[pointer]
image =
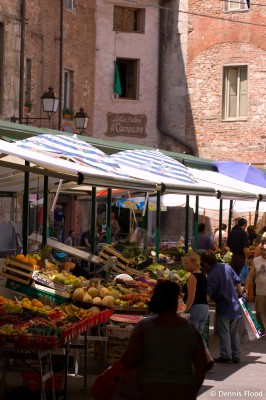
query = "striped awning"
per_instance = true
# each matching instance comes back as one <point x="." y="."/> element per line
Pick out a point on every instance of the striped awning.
<point x="154" y="166"/>
<point x="71" y="149"/>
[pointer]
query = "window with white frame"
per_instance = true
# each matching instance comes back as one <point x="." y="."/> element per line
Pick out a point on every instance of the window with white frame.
<point x="69" y="4"/>
<point x="68" y="84"/>
<point x="128" y="75"/>
<point x="235" y="92"/>
<point x="236" y="5"/>
<point x="129" y="19"/>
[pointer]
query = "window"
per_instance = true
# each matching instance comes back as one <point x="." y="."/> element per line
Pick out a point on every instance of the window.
<point x="1" y="65"/>
<point x="69" y="4"/>
<point x="234" y="5"/>
<point x="128" y="74"/>
<point x="68" y="84"/>
<point x="235" y="93"/>
<point x="129" y="19"/>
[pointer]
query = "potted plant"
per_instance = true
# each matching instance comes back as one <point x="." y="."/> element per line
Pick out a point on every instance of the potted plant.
<point x="67" y="113"/>
<point x="27" y="106"/>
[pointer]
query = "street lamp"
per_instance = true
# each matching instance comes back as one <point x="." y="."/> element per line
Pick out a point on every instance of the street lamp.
<point x="49" y="103"/>
<point x="81" y="120"/>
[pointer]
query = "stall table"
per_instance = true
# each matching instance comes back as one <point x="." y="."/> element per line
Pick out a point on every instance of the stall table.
<point x="40" y="348"/>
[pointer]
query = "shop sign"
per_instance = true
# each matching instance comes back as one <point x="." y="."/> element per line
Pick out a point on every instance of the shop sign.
<point x="126" y="125"/>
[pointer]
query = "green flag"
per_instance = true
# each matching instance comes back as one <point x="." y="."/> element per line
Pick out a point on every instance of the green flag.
<point x="117" y="83"/>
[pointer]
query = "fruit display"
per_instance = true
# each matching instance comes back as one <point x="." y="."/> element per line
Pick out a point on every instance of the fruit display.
<point x="133" y="293"/>
<point x="132" y="252"/>
<point x="30" y="317"/>
<point x="163" y="272"/>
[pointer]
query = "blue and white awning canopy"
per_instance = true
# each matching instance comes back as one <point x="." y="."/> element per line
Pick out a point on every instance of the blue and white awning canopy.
<point x="154" y="166"/>
<point x="74" y="167"/>
<point x="72" y="149"/>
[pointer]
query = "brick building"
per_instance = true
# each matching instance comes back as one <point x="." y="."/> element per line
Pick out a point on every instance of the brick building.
<point x="68" y="65"/>
<point x="226" y="75"/>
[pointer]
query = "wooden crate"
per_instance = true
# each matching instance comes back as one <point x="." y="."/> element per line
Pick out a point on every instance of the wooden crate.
<point x="123" y="264"/>
<point x="17" y="270"/>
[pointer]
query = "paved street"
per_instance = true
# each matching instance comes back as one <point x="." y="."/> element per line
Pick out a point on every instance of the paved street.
<point x="233" y="381"/>
<point x="245" y="380"/>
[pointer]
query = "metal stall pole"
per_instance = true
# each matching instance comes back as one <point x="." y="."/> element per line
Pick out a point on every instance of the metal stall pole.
<point x="45" y="210"/>
<point x="93" y="221"/>
<point x="187" y="223"/>
<point x="230" y="216"/>
<point x="157" y="229"/>
<point x="108" y="217"/>
<point x="196" y="223"/>
<point x="220" y="222"/>
<point x="257" y="212"/>
<point x="25" y="216"/>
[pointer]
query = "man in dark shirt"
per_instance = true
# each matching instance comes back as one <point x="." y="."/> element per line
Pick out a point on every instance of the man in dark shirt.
<point x="85" y="239"/>
<point x="239" y="244"/>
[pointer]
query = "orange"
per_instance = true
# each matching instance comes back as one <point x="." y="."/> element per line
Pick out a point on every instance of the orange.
<point x="20" y="256"/>
<point x="31" y="260"/>
<point x="36" y="303"/>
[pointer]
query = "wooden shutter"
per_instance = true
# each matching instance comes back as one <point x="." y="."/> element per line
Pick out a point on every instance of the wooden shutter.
<point x="243" y="92"/>
<point x="232" y="92"/>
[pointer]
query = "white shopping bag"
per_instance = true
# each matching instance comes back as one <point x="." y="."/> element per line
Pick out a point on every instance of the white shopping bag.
<point x="248" y="327"/>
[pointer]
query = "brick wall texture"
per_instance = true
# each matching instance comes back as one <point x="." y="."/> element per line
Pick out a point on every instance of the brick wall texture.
<point x="227" y="38"/>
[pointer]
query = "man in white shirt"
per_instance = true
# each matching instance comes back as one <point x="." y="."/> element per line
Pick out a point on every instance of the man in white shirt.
<point x="258" y="268"/>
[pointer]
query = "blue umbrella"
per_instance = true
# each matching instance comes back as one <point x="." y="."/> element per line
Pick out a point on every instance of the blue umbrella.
<point x="154" y="166"/>
<point x="241" y="171"/>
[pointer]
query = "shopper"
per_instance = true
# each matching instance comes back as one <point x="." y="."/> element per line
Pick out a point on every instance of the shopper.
<point x="205" y="242"/>
<point x="239" y="244"/>
<point x="195" y="297"/>
<point x="258" y="269"/>
<point x="224" y="287"/>
<point x="166" y="349"/>
<point x="115" y="228"/>
<point x="85" y="239"/>
<point x="216" y="236"/>
<point x="252" y="235"/>
<point x="70" y="239"/>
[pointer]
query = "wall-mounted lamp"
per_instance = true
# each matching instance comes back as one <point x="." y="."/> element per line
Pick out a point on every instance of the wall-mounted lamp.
<point x="49" y="103"/>
<point x="81" y="120"/>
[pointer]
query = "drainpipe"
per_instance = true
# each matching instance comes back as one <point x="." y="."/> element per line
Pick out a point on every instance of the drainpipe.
<point x="61" y="64"/>
<point x="22" y="55"/>
<point x="161" y="128"/>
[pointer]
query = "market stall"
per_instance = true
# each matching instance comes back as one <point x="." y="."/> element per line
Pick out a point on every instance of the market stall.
<point x="31" y="331"/>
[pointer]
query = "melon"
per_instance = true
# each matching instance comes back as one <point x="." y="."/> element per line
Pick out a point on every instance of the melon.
<point x="97" y="301"/>
<point x="103" y="292"/>
<point x="108" y="301"/>
<point x="87" y="298"/>
<point x="78" y="294"/>
<point x="93" y="292"/>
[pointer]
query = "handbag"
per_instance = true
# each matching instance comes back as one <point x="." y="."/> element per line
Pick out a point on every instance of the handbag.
<point x="105" y="384"/>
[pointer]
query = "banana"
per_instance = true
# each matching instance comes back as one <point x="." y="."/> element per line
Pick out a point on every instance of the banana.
<point x="73" y="307"/>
